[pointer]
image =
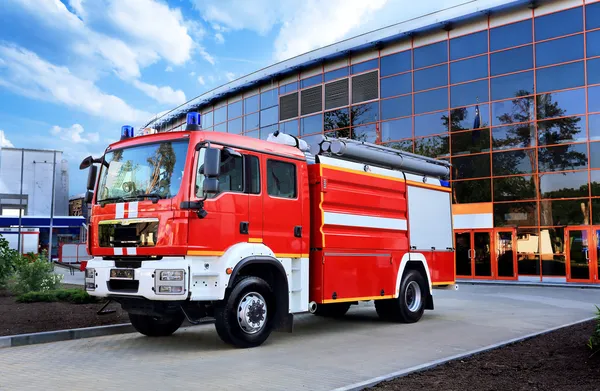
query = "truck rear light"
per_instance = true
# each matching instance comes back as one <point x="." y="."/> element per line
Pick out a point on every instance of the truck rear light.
<point x="90" y="279"/>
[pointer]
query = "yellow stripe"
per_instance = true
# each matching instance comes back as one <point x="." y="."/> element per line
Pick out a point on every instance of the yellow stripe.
<point x="428" y="186"/>
<point x="442" y="283"/>
<point x="206" y="253"/>
<point x="381" y="176"/>
<point x="255" y="240"/>
<point x="291" y="255"/>
<point x="365" y="298"/>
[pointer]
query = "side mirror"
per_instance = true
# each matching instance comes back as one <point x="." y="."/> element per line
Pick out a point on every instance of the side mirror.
<point x="212" y="163"/>
<point x="210" y="186"/>
<point x="85" y="163"/>
<point x="91" y="182"/>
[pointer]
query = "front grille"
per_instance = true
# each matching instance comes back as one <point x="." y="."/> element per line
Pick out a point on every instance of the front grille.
<point x="128" y="233"/>
<point x="125" y="286"/>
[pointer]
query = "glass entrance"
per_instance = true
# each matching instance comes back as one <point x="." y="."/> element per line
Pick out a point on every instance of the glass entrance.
<point x="463" y="254"/>
<point x="505" y="254"/>
<point x="580" y="254"/>
<point x="474" y="251"/>
<point x="482" y="251"/>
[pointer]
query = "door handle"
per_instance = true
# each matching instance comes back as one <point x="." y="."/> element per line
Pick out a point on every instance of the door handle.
<point x="298" y="231"/>
<point x="244" y="227"/>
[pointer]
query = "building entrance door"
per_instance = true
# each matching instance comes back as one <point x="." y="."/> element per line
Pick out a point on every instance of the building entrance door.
<point x="582" y="254"/>
<point x="506" y="254"/>
<point x="474" y="249"/>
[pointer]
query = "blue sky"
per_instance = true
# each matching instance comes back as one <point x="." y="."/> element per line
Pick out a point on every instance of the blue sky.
<point x="73" y="71"/>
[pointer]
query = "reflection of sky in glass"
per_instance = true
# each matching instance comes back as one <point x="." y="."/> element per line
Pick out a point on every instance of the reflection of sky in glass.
<point x="570" y="180"/>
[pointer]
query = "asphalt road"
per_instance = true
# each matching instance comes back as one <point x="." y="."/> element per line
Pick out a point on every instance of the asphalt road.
<point x="321" y="354"/>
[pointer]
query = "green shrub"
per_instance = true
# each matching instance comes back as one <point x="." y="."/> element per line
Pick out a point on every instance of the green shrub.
<point x="34" y="273"/>
<point x="75" y="296"/>
<point x="594" y="341"/>
<point x="8" y="258"/>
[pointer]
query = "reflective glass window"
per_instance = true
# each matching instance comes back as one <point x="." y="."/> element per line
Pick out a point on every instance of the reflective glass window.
<point x="396" y="63"/>
<point x="222" y="127"/>
<point x="564" y="212"/>
<point x="595" y="155"/>
<point x="364" y="66"/>
<point x="594" y="99"/>
<point x="426" y="79"/>
<point x="432" y="146"/>
<point x="560" y="77"/>
<point x="558" y="24"/>
<point x="221" y="114"/>
<point x="431" y="124"/>
<point x="402" y="145"/>
<point x="594" y="126"/>
<point x="364" y="114"/>
<point x="469" y="93"/>
<point x="207" y="119"/>
<point x="311" y="81"/>
<point x="396" y="85"/>
<point x="251" y="121"/>
<point x="264" y="132"/>
<point x="235" y="126"/>
<point x="366" y="133"/>
<point x="253" y="134"/>
<point x="290" y="87"/>
<point x="251" y="104"/>
<point x="511" y="86"/>
<point x="396" y="107"/>
<point x="564" y="185"/>
<point x="593" y="44"/>
<point x="593" y="71"/>
<point x="312" y="124"/>
<point x="513" y="111"/>
<point x="563" y="158"/>
<point x="513" y="60"/>
<point x="514" y="34"/>
<point x="467" y="192"/>
<point x="336" y="74"/>
<point x="513" y="162"/>
<point x="469" y="45"/>
<point x="514" y="188"/>
<point x="431" y="54"/>
<point x="289" y="127"/>
<point x="561" y="104"/>
<point x="559" y="50"/>
<point x="234" y="110"/>
<point x="396" y="130"/>
<point x="513" y="136"/>
<point x="473" y="166"/>
<point x="595" y="185"/>
<point x="553" y="258"/>
<point x="592" y="16"/>
<point x="268" y="98"/>
<point x="521" y="214"/>
<point x="469" y="142"/>
<point x="269" y="116"/>
<point x="336" y="119"/>
<point x="431" y="100"/>
<point x="471" y="69"/>
<point x="464" y="118"/>
<point x="562" y="131"/>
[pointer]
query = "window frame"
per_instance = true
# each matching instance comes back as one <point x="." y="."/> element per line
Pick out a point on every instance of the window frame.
<point x="282" y="161"/>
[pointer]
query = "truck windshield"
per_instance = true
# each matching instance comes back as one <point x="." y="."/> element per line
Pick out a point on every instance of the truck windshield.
<point x="150" y="170"/>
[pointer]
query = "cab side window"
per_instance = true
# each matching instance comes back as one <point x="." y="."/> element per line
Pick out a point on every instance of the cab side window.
<point x="281" y="179"/>
<point x="231" y="178"/>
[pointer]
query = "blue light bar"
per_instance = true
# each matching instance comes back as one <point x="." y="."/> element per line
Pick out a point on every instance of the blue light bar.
<point x="126" y="132"/>
<point x="444" y="183"/>
<point x="194" y="121"/>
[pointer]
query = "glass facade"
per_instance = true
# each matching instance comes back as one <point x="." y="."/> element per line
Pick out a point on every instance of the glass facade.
<point x="515" y="109"/>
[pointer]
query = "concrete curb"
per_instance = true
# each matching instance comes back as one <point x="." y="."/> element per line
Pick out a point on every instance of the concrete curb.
<point x="71" y="334"/>
<point x="432" y="364"/>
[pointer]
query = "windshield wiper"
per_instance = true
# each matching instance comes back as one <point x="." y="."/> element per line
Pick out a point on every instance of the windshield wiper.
<point x="155" y="197"/>
<point x="105" y="201"/>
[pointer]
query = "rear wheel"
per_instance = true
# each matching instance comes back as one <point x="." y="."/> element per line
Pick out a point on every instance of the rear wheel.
<point x="245" y="318"/>
<point x="156" y="327"/>
<point x="410" y="304"/>
<point x="332" y="310"/>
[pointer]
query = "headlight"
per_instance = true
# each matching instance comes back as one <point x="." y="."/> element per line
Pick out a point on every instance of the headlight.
<point x="90" y="279"/>
<point x="171" y="275"/>
<point x="90" y="273"/>
<point x="169" y="289"/>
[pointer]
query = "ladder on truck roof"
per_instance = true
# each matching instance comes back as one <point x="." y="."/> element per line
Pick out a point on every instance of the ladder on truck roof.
<point x="379" y="155"/>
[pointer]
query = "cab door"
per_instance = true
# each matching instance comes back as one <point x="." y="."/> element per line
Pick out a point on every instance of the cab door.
<point x="253" y="178"/>
<point x="226" y="221"/>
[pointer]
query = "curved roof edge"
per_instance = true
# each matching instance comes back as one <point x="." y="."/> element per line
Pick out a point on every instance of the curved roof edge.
<point x="458" y="13"/>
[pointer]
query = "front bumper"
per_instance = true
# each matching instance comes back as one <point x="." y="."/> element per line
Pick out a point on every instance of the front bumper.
<point x="145" y="282"/>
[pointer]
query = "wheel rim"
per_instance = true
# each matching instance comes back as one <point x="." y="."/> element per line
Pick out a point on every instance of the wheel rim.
<point x="412" y="296"/>
<point x="252" y="313"/>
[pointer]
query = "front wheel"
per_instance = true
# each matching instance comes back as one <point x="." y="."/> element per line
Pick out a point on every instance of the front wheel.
<point x="410" y="304"/>
<point x="245" y="318"/>
<point x="156" y="327"/>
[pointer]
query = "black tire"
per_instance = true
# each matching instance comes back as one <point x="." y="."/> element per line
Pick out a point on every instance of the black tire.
<point x="410" y="304"/>
<point x="156" y="327"/>
<point x="228" y="321"/>
<point x="332" y="310"/>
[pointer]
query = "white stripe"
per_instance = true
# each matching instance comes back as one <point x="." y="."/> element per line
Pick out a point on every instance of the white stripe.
<point x="118" y="251"/>
<point x="132" y="208"/>
<point x="130" y="250"/>
<point x="120" y="211"/>
<point x="350" y="220"/>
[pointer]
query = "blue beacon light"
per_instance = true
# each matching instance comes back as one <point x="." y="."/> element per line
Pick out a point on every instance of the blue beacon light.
<point x="126" y="132"/>
<point x="193" y="121"/>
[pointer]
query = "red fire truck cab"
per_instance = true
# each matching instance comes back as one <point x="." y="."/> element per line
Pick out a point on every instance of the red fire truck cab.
<point x="193" y="224"/>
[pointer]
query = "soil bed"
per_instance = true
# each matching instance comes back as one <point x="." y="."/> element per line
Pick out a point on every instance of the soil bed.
<point x="22" y="318"/>
<point x="555" y="361"/>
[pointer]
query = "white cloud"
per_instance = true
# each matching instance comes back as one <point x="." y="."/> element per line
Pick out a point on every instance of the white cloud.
<point x="230" y="76"/>
<point x="74" y="134"/>
<point x="77" y="6"/>
<point x="219" y="38"/>
<point x="164" y="95"/>
<point x="169" y="69"/>
<point x="4" y="142"/>
<point x="57" y="84"/>
<point x="192" y="73"/>
<point x="201" y="80"/>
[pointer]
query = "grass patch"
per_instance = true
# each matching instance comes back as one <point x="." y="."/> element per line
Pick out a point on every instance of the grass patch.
<point x="73" y="295"/>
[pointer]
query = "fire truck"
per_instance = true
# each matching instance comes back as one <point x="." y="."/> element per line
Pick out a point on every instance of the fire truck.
<point x="195" y="225"/>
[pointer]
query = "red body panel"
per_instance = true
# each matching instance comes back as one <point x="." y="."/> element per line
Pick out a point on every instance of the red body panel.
<point x="441" y="266"/>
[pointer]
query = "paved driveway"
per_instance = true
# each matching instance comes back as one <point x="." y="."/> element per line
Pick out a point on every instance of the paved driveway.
<point x="321" y="354"/>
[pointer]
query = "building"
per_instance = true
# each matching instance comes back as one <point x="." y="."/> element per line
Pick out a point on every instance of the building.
<point x="26" y="189"/>
<point x="508" y="91"/>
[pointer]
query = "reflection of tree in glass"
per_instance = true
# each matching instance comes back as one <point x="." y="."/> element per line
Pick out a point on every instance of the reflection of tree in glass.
<point x="337" y="123"/>
<point x="163" y="162"/>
